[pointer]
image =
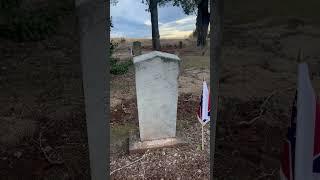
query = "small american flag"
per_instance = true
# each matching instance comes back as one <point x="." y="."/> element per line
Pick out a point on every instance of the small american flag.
<point x="301" y="153"/>
<point x="287" y="161"/>
<point x="203" y="112"/>
<point x="316" y="154"/>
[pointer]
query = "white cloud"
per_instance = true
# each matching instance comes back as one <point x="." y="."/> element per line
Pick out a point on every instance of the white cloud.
<point x="180" y="28"/>
<point x="130" y="10"/>
<point x="187" y="19"/>
<point x="117" y="34"/>
<point x="147" y="22"/>
<point x="131" y="20"/>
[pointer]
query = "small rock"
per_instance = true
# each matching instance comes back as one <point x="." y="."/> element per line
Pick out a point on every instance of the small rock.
<point x="18" y="154"/>
<point x="175" y="155"/>
<point x="199" y="171"/>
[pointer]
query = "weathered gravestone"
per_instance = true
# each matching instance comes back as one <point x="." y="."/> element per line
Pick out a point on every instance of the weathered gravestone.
<point x="136" y="48"/>
<point x="156" y="76"/>
<point x="180" y="44"/>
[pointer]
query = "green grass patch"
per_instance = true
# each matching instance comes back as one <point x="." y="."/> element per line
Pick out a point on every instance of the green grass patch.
<point x="195" y="62"/>
<point x="119" y="68"/>
<point x="120" y="132"/>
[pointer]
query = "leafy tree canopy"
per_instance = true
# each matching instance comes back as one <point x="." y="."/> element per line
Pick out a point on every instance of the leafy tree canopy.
<point x="188" y="6"/>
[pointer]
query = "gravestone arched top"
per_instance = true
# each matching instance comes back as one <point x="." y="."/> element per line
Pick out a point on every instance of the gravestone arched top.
<point x="155" y="54"/>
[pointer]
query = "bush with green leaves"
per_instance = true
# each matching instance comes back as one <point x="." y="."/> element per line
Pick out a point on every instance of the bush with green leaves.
<point x="27" y="21"/>
<point x="120" y="68"/>
<point x="117" y="68"/>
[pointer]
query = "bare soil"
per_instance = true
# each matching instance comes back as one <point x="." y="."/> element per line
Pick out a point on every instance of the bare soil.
<point x="258" y="82"/>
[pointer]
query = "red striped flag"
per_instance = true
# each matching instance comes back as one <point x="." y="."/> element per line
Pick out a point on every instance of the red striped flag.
<point x="301" y="152"/>
<point x="287" y="161"/>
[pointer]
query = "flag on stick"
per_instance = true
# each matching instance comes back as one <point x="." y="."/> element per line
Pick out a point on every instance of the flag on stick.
<point x="305" y="125"/>
<point x="302" y="146"/>
<point x="316" y="153"/>
<point x="287" y="161"/>
<point x="203" y="112"/>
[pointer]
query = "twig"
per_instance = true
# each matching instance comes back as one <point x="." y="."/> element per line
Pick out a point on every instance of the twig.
<point x="45" y="154"/>
<point x="261" y="109"/>
<point x="187" y="100"/>
<point x="124" y="108"/>
<point x="129" y="163"/>
<point x="266" y="174"/>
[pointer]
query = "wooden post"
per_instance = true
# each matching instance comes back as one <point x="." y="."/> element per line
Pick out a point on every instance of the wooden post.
<point x="92" y="19"/>
<point x="202" y="140"/>
<point x="216" y="46"/>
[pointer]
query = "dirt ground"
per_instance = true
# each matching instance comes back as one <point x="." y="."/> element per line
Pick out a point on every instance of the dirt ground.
<point x="43" y="130"/>
<point x="258" y="82"/>
<point x="186" y="162"/>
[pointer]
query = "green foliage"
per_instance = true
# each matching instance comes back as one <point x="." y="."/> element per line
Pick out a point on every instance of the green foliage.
<point x="119" y="68"/>
<point x="24" y="21"/>
<point x="113" y="46"/>
<point x="114" y="2"/>
<point x="29" y="27"/>
<point x="188" y="6"/>
<point x="160" y="3"/>
<point x="9" y="4"/>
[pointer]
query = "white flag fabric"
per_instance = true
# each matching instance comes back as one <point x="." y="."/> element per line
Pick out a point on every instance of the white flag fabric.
<point x="205" y="101"/>
<point x="306" y="111"/>
<point x="203" y="112"/>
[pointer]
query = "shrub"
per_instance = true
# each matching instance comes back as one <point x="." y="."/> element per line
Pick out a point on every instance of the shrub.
<point x="117" y="68"/>
<point x="122" y="40"/>
<point x="24" y="21"/>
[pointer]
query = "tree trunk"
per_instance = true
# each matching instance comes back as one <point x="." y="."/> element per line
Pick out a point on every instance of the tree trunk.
<point x="203" y="19"/>
<point x="153" y="7"/>
<point x="216" y="45"/>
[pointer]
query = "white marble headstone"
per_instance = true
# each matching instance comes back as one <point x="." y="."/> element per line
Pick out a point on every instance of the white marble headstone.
<point x="156" y="76"/>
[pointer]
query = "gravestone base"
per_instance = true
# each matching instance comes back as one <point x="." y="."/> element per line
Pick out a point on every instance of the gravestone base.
<point x="136" y="145"/>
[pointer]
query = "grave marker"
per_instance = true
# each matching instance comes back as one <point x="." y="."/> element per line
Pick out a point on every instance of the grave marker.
<point x="156" y="76"/>
<point x="136" y="48"/>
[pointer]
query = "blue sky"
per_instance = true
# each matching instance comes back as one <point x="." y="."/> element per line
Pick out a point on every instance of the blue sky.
<point x="130" y="20"/>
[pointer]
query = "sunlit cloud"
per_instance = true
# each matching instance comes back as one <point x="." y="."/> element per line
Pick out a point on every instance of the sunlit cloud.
<point x="147" y="23"/>
<point x="188" y="19"/>
<point x="117" y="34"/>
<point x="180" y="28"/>
<point x="130" y="20"/>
